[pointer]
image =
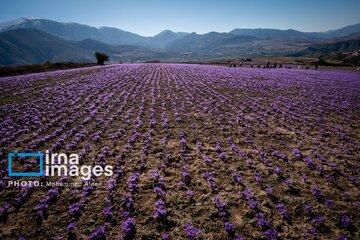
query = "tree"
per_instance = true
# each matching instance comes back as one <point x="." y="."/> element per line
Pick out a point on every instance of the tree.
<point x="101" y="58"/>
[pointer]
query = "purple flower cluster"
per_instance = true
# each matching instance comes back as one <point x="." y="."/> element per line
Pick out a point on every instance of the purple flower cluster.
<point x="75" y="208"/>
<point x="133" y="179"/>
<point x="210" y="179"/>
<point x="281" y="209"/>
<point x="281" y="130"/>
<point x="98" y="234"/>
<point x="220" y="206"/>
<point x="190" y="231"/>
<point x="128" y="227"/>
<point x="160" y="211"/>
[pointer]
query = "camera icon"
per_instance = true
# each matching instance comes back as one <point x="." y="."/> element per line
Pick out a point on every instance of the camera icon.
<point x="11" y="173"/>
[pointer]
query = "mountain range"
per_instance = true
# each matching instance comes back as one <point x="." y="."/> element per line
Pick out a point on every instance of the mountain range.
<point x="32" y="40"/>
<point x="77" y="32"/>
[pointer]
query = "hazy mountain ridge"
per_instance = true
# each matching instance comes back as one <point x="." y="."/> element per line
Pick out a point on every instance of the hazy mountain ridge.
<point x="346" y="46"/>
<point x="78" y="32"/>
<point x="264" y="33"/>
<point x="292" y="34"/>
<point x="348" y="30"/>
<point x="165" y="39"/>
<point x="31" y="40"/>
<point x="28" y="46"/>
<point x="24" y="46"/>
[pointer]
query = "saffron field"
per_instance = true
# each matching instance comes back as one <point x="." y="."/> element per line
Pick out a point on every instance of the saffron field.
<point x="198" y="152"/>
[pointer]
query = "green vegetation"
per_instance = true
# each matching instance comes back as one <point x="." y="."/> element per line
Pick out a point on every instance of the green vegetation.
<point x="153" y="61"/>
<point x="346" y="59"/>
<point x="353" y="60"/>
<point x="101" y="58"/>
<point x="34" y="68"/>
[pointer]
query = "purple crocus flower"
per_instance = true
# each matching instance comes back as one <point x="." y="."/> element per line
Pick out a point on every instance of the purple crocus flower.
<point x="218" y="148"/>
<point x="328" y="202"/>
<point x="345" y="220"/>
<point x="304" y="177"/>
<point x="160" y="191"/>
<point x="296" y="152"/>
<point x="311" y="231"/>
<point x="190" y="231"/>
<point x="316" y="191"/>
<point x="253" y="204"/>
<point x="98" y="234"/>
<point x="308" y="208"/>
<point x="70" y="227"/>
<point x="207" y="160"/>
<point x="128" y="226"/>
<point x="268" y="190"/>
<point x="288" y="181"/>
<point x="165" y="236"/>
<point x="229" y="227"/>
<point x="222" y="155"/>
<point x="133" y="178"/>
<point x="237" y="178"/>
<point x="238" y="238"/>
<point x="5" y="208"/>
<point x="190" y="193"/>
<point x="160" y="212"/>
<point x="263" y="222"/>
<point x="281" y="208"/>
<point x="318" y="219"/>
<point x="75" y="208"/>
<point x="108" y="212"/>
<point x="271" y="234"/>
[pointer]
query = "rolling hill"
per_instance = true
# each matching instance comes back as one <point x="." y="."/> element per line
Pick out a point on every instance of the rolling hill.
<point x="24" y="46"/>
<point x="166" y="38"/>
<point x="331" y="48"/>
<point x="29" y="46"/>
<point x="78" y="32"/>
<point x="32" y="40"/>
<point x="264" y="33"/>
<point x="348" y="30"/>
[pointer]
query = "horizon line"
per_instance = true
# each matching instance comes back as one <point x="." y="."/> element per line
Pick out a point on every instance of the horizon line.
<point x="167" y="29"/>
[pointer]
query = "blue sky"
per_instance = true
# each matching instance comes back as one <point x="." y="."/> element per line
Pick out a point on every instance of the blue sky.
<point x="150" y="17"/>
